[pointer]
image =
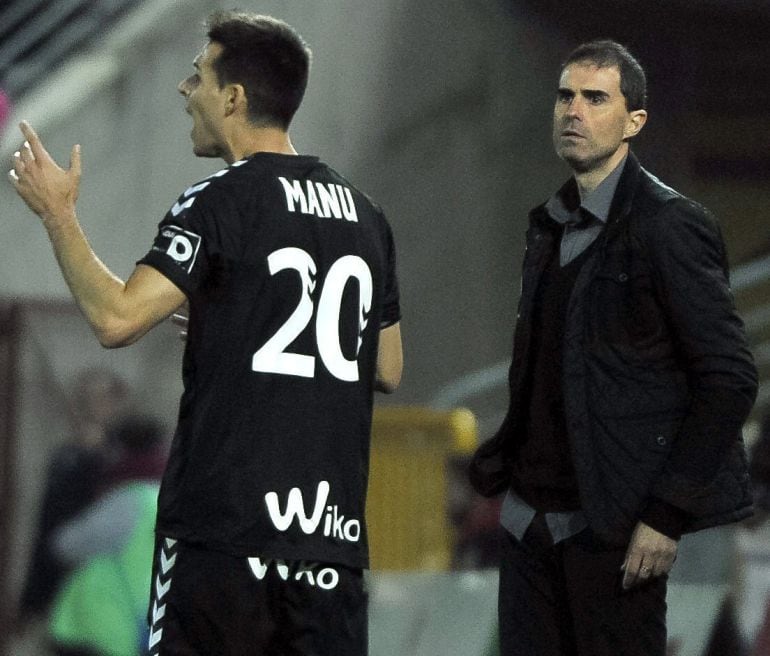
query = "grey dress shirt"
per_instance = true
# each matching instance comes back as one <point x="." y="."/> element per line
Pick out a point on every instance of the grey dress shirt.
<point x="581" y="228"/>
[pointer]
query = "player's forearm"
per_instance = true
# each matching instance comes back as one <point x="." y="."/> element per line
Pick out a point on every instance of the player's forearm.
<point x="390" y="360"/>
<point x="96" y="290"/>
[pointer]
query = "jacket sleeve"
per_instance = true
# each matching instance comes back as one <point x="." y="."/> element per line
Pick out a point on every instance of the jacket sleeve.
<point x="489" y="470"/>
<point x="689" y="268"/>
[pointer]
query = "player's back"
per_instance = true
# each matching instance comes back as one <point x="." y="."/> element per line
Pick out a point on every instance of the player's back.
<point x="289" y="274"/>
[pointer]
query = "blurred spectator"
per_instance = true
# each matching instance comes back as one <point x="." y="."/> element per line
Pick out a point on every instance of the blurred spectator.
<point x="74" y="477"/>
<point x="101" y="608"/>
<point x="743" y="626"/>
<point x="753" y="549"/>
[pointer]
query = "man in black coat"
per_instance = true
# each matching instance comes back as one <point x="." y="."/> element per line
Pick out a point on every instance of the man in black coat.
<point x="629" y="384"/>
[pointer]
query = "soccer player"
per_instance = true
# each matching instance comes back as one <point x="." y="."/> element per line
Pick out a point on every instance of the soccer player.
<point x="289" y="274"/>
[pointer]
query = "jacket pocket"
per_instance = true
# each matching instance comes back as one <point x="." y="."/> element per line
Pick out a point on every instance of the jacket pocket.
<point x="624" y="310"/>
<point x="638" y="445"/>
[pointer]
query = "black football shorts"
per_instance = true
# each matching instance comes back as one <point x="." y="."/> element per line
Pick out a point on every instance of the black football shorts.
<point x="208" y="603"/>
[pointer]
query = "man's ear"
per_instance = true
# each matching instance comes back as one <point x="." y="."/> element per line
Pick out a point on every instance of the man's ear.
<point x="235" y="99"/>
<point x="634" y="123"/>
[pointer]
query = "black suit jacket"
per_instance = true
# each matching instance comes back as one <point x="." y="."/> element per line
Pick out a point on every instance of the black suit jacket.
<point x="657" y="375"/>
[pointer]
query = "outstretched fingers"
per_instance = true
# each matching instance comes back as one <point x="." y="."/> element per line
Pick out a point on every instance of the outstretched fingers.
<point x="33" y="143"/>
<point x="48" y="189"/>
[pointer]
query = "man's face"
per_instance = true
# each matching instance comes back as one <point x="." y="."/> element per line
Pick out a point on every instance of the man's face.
<point x="590" y="119"/>
<point x="205" y="103"/>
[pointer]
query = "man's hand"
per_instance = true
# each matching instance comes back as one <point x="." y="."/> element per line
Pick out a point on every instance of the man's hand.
<point x="46" y="188"/>
<point x="649" y="554"/>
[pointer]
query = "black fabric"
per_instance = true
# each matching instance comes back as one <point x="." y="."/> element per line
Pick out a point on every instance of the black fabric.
<point x="664" y="518"/>
<point x="567" y="599"/>
<point x="290" y="276"/>
<point x="658" y="377"/>
<point x="195" y="611"/>
<point x="543" y="474"/>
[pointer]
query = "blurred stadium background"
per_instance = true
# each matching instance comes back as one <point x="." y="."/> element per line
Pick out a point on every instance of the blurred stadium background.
<point x="441" y="111"/>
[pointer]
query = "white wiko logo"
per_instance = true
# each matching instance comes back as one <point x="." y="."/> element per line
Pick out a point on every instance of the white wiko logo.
<point x="334" y="522"/>
<point x="311" y="574"/>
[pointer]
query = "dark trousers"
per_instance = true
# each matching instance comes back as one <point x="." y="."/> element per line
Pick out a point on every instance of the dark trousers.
<point x="567" y="600"/>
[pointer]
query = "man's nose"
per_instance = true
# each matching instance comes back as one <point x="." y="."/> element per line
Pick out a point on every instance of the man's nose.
<point x="182" y="88"/>
<point x="574" y="109"/>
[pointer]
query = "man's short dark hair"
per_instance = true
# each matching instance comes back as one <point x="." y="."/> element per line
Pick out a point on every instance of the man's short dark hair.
<point x="267" y="57"/>
<point x="605" y="53"/>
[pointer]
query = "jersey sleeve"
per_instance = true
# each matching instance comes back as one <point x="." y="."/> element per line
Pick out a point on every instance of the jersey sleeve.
<point x="391" y="308"/>
<point x="195" y="239"/>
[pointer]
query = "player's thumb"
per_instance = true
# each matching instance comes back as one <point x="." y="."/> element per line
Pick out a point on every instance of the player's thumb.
<point x="75" y="161"/>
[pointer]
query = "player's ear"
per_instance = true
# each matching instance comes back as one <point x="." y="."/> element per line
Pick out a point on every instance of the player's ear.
<point x="235" y="99"/>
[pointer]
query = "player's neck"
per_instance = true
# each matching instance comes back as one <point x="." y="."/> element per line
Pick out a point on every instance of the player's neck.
<point x="258" y="140"/>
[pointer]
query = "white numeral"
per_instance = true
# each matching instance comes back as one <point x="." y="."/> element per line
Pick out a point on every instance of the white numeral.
<point x="272" y="356"/>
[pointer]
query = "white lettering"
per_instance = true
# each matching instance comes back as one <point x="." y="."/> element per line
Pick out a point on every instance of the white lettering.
<point x="313" y="207"/>
<point x="294" y="194"/>
<point x="283" y="569"/>
<point x="337" y="525"/>
<point x="258" y="567"/>
<point x="304" y="570"/>
<point x="323" y="200"/>
<point x="350" y="534"/>
<point x="328" y="521"/>
<point x="295" y="507"/>
<point x="348" y="206"/>
<point x="329" y="200"/>
<point x="327" y="578"/>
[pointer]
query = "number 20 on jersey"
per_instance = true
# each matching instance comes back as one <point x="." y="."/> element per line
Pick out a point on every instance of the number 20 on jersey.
<point x="272" y="357"/>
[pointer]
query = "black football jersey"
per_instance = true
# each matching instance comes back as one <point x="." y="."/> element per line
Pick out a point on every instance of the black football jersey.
<point x="290" y="275"/>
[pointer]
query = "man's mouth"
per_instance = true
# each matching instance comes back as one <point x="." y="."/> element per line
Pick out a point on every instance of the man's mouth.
<point x="572" y="133"/>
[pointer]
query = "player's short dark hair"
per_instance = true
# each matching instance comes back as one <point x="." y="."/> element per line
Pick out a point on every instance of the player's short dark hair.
<point x="605" y="53"/>
<point x="265" y="55"/>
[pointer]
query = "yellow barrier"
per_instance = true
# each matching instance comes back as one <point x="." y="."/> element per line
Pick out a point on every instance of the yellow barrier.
<point x="407" y="507"/>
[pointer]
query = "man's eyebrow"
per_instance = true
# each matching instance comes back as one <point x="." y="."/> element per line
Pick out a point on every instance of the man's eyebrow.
<point x="595" y="93"/>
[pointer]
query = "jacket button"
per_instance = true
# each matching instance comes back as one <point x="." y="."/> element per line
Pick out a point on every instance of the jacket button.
<point x="661" y="440"/>
<point x="623" y="277"/>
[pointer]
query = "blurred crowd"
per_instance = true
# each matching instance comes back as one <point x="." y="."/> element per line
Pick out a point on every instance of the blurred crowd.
<point x="88" y="577"/>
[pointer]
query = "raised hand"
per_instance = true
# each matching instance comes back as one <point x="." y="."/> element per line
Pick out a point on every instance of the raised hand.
<point x="48" y="190"/>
